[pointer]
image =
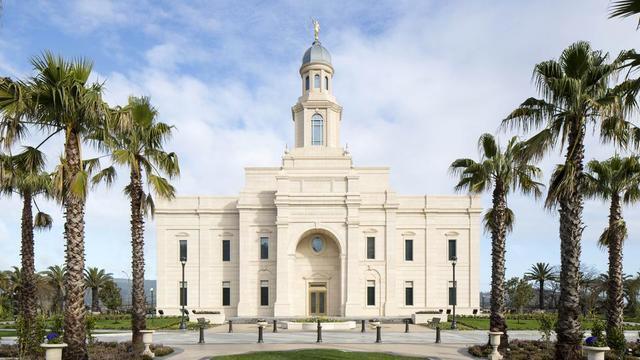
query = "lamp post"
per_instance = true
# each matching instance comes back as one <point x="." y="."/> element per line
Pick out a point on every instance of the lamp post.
<point x="153" y="314"/>
<point x="183" y="288"/>
<point x="183" y="299"/>
<point x="454" y="299"/>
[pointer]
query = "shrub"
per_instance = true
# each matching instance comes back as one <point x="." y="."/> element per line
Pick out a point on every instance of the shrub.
<point x="616" y="341"/>
<point x="546" y="325"/>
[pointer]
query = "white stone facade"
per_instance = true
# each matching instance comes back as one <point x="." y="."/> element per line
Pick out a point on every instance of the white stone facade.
<point x="360" y="265"/>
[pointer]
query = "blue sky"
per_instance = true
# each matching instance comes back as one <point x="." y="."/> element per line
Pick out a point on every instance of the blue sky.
<point x="419" y="82"/>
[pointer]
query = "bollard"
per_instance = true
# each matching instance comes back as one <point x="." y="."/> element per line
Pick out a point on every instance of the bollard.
<point x="319" y="340"/>
<point x="438" y="334"/>
<point x="362" y="330"/>
<point x="260" y="341"/>
<point x="406" y="325"/>
<point x="201" y="340"/>
<point x="230" y="326"/>
<point x="275" y="326"/>
<point x="378" y="334"/>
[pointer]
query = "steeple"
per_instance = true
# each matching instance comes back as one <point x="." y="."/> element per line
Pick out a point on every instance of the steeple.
<point x="317" y="114"/>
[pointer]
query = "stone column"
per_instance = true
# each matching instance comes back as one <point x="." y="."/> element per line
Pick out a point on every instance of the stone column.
<point x="244" y="237"/>
<point x="283" y="269"/>
<point x="391" y="255"/>
<point x="355" y="287"/>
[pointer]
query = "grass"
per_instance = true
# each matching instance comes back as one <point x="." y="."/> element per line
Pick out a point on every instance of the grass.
<point x="7" y="333"/>
<point x="514" y="324"/>
<point x="313" y="354"/>
<point x="125" y="324"/>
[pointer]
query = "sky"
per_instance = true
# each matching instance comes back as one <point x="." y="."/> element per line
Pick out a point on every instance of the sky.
<point x="419" y="81"/>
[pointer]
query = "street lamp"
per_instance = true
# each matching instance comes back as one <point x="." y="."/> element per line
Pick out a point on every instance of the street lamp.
<point x="153" y="314"/>
<point x="454" y="297"/>
<point x="183" y="290"/>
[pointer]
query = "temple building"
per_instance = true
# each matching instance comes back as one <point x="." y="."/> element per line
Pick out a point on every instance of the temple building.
<point x="317" y="235"/>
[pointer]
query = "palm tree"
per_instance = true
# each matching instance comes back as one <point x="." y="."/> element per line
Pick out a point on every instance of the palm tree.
<point x="95" y="279"/>
<point x="504" y="172"/>
<point x="541" y="273"/>
<point x="139" y="147"/>
<point x="55" y="277"/>
<point x="616" y="180"/>
<point x="63" y="101"/>
<point x="575" y="93"/>
<point x="624" y="8"/>
<point x="24" y="176"/>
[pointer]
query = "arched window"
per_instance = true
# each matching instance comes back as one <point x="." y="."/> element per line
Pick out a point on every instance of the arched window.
<point x="317" y="129"/>
<point x="316" y="81"/>
<point x="326" y="82"/>
<point x="306" y="83"/>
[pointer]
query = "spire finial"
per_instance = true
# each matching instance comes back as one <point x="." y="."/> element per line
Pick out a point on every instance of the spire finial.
<point x="316" y="28"/>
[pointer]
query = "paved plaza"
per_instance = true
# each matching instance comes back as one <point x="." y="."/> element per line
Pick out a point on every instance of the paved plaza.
<point x="419" y="342"/>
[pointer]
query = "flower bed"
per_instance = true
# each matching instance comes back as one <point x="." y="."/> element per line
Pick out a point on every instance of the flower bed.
<point x="311" y="324"/>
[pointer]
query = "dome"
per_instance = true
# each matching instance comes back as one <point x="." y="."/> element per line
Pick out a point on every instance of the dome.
<point x="316" y="53"/>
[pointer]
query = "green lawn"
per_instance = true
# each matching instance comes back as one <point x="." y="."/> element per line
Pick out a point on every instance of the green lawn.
<point x="512" y="324"/>
<point x="313" y="354"/>
<point x="125" y="324"/>
<point x="7" y="333"/>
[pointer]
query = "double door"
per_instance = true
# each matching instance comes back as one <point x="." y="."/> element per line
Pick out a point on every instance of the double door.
<point x="317" y="299"/>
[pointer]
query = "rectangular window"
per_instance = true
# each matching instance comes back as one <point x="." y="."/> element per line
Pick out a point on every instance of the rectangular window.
<point x="408" y="293"/>
<point x="452" y="249"/>
<point x="226" y="250"/>
<point x="408" y="250"/>
<point x="264" y="248"/>
<point x="452" y="294"/>
<point x="183" y="293"/>
<point x="226" y="293"/>
<point x="371" y="247"/>
<point x="306" y="83"/>
<point x="264" y="292"/>
<point x="183" y="250"/>
<point x="371" y="293"/>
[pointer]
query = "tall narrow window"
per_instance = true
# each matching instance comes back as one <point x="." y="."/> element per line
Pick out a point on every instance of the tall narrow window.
<point x="452" y="249"/>
<point x="317" y="129"/>
<point x="371" y="292"/>
<point x="326" y="82"/>
<point x="306" y="83"/>
<point x="371" y="247"/>
<point x="264" y="248"/>
<point x="183" y="250"/>
<point x="408" y="250"/>
<point x="226" y="250"/>
<point x="316" y="81"/>
<point x="183" y="293"/>
<point x="408" y="293"/>
<point x="226" y="293"/>
<point x="264" y="292"/>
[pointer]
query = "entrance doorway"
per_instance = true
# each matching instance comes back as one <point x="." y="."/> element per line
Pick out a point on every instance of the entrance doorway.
<point x="317" y="298"/>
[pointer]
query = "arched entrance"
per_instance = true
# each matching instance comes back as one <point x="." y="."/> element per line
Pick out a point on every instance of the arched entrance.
<point x="317" y="284"/>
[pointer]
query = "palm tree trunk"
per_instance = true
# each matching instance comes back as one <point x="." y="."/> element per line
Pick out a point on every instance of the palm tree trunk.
<point x="571" y="205"/>
<point x="541" y="295"/>
<point x="137" y="262"/>
<point x="95" y="300"/>
<point x="498" y="239"/>
<point x="615" y="300"/>
<point x="29" y="346"/>
<point x="74" y="311"/>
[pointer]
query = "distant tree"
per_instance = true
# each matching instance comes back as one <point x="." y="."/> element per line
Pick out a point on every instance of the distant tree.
<point x="500" y="171"/>
<point x="632" y="292"/>
<point x="110" y="295"/>
<point x="520" y="293"/>
<point x="541" y="273"/>
<point x="95" y="279"/>
<point x="54" y="275"/>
